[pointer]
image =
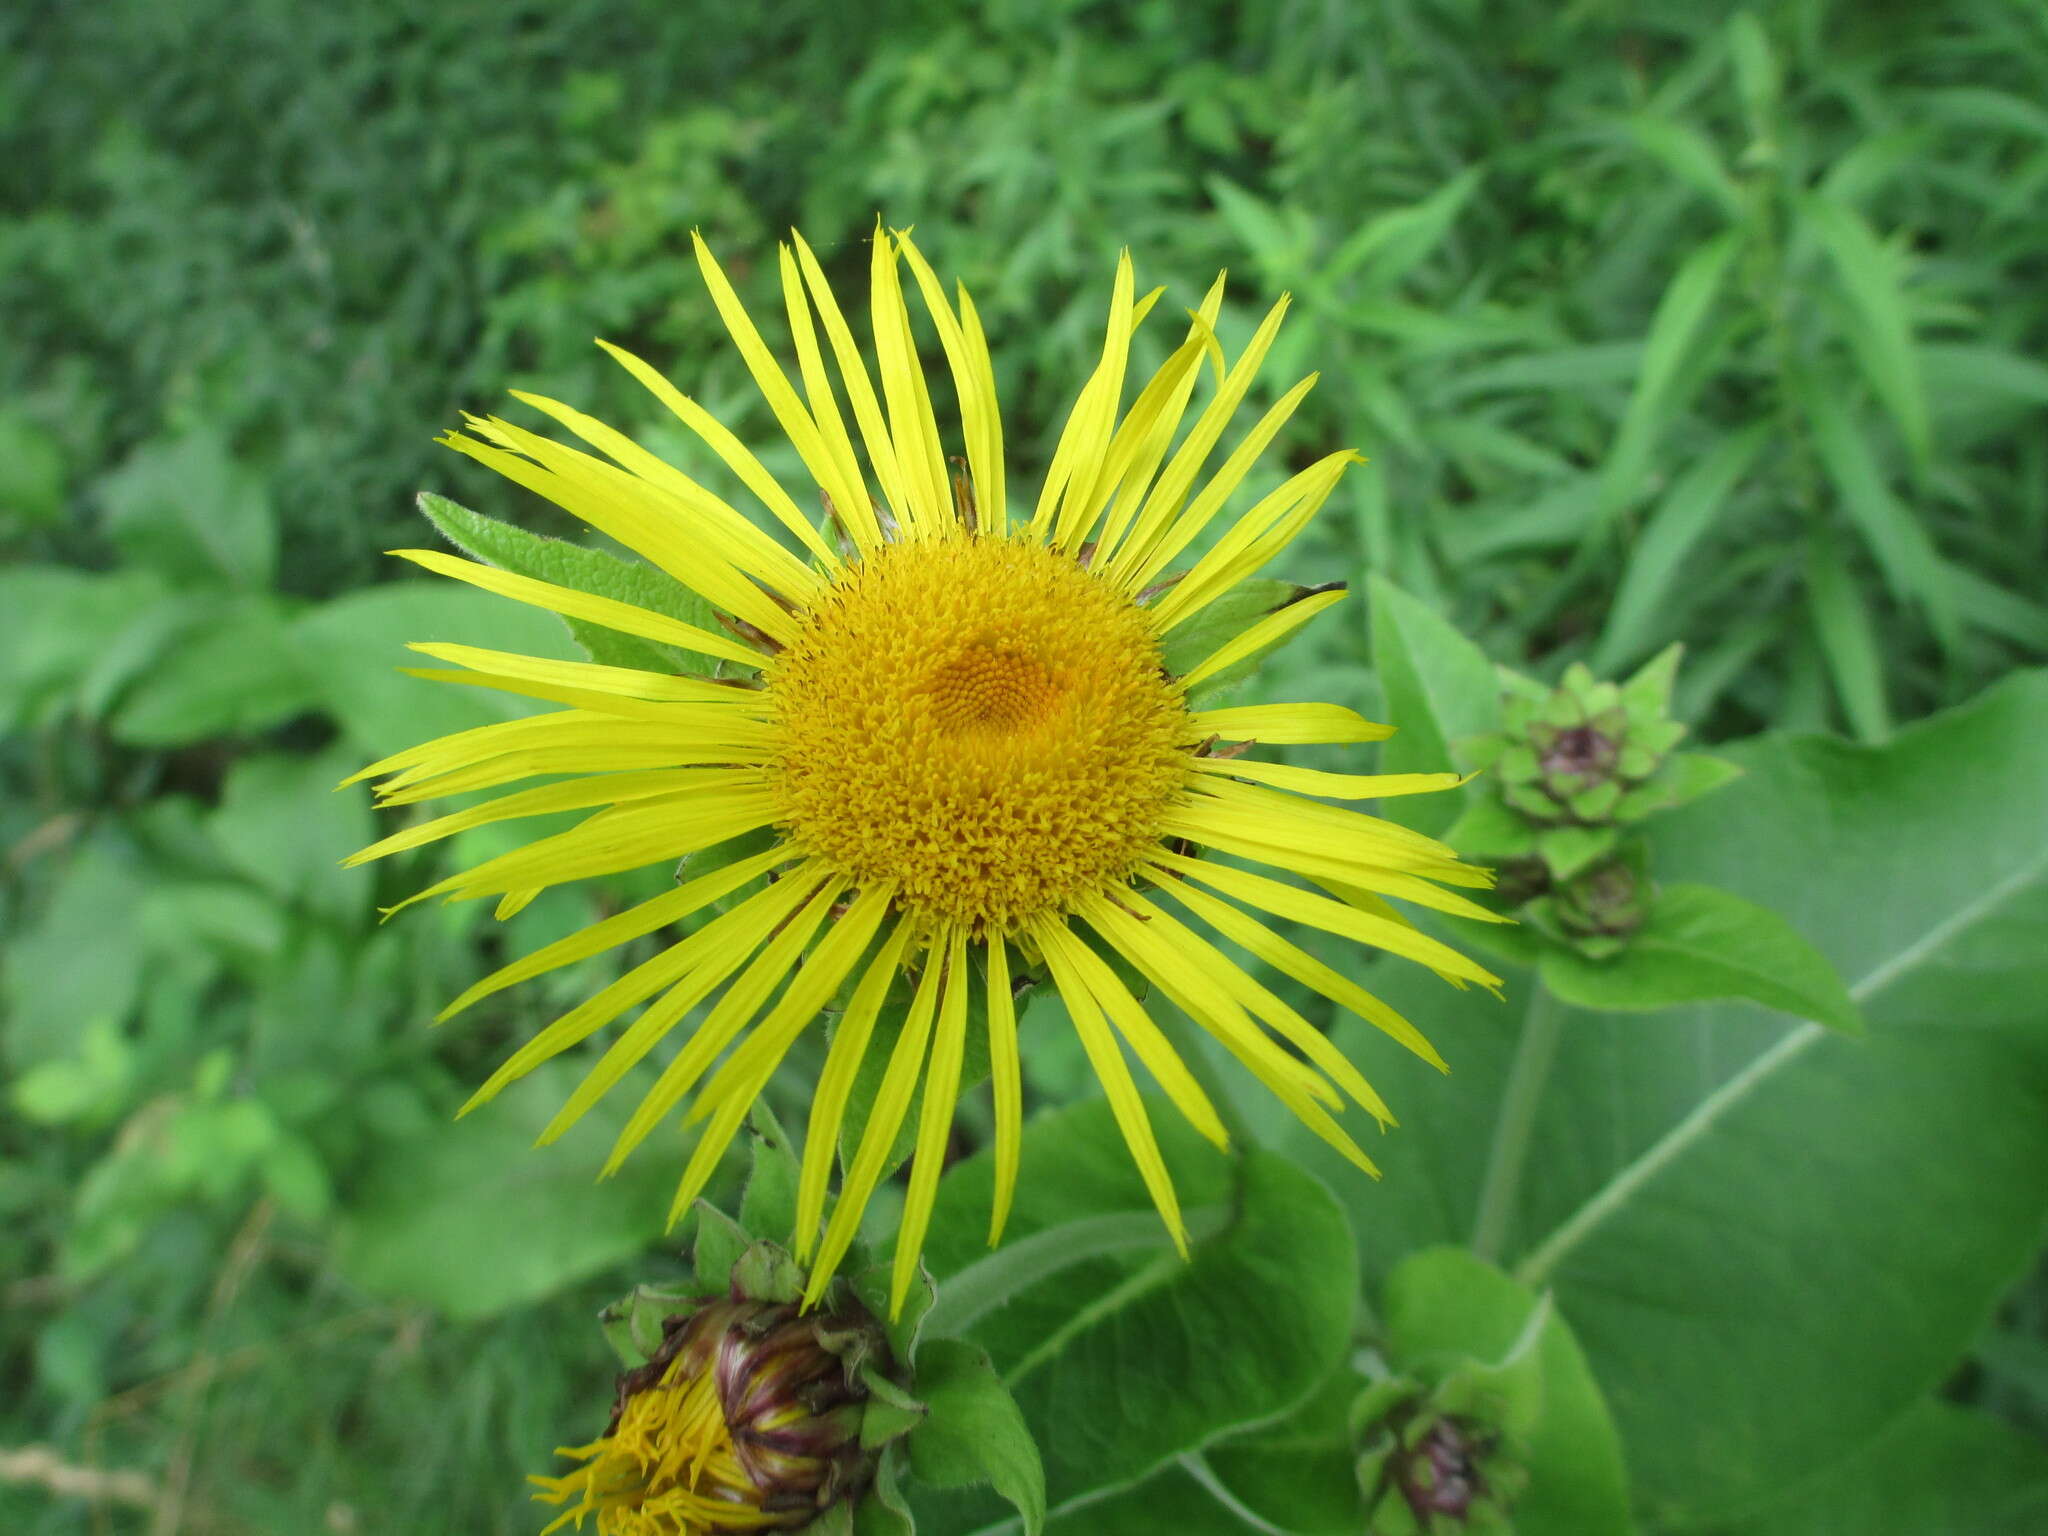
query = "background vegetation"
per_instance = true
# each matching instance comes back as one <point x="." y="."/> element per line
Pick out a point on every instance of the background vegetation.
<point x="1658" y="323"/>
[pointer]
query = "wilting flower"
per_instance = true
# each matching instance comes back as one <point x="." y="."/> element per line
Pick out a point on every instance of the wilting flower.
<point x="747" y="1418"/>
<point x="956" y="727"/>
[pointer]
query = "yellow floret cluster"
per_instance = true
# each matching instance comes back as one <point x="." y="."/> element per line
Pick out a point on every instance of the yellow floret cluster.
<point x="982" y="723"/>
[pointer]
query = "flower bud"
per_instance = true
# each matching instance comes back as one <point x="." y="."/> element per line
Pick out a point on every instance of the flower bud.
<point x="747" y="1417"/>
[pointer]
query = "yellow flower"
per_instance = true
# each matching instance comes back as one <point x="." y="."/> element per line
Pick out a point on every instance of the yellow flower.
<point x="956" y="722"/>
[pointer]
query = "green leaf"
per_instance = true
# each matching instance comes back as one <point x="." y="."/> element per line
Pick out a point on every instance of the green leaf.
<point x="280" y="823"/>
<point x="1568" y="850"/>
<point x="1126" y="1357"/>
<point x="1389" y="245"/>
<point x="50" y="990"/>
<point x="1192" y="643"/>
<point x="1668" y="349"/>
<point x="1685" y="515"/>
<point x="586" y="570"/>
<point x="716" y="1249"/>
<point x="1848" y="640"/>
<point x="1936" y="1468"/>
<point x="236" y="673"/>
<point x="768" y="1205"/>
<point x="1772" y="1240"/>
<point x="61" y="625"/>
<point x="473" y="1219"/>
<point x="973" y="1432"/>
<point x="1439" y="688"/>
<point x="33" y="482"/>
<point x="1443" y="1305"/>
<point x="1904" y="553"/>
<point x="1487" y="829"/>
<point x="1691" y="157"/>
<point x="1882" y="338"/>
<point x="1701" y="943"/>
<point x="186" y="509"/>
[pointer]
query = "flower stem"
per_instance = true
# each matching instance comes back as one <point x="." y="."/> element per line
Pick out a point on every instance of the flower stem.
<point x="1541" y="1027"/>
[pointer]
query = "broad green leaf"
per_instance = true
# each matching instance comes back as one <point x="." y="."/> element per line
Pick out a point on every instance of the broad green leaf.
<point x="280" y="823"/>
<point x="1127" y="1357"/>
<point x="1937" y="1468"/>
<point x="972" y="1431"/>
<point x="33" y="480"/>
<point x="1687" y="513"/>
<point x="1702" y="943"/>
<point x="1768" y="1239"/>
<point x="1439" y="689"/>
<point x="60" y="625"/>
<point x="1187" y="1499"/>
<point x="80" y="959"/>
<point x="236" y="673"/>
<point x="1299" y="1472"/>
<point x="1667" y="351"/>
<point x="188" y="510"/>
<point x="473" y="1219"/>
<point x="1443" y="1303"/>
<point x="586" y="570"/>
<point x="1883" y="336"/>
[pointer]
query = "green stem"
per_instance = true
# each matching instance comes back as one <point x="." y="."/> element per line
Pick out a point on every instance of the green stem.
<point x="1541" y="1028"/>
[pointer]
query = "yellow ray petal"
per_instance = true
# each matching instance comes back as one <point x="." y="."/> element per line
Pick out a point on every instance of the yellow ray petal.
<point x="810" y="989"/>
<point x="1077" y="456"/>
<point x="712" y="720"/>
<point x="835" y="1082"/>
<point x="582" y="605"/>
<point x="627" y="509"/>
<point x="1200" y="981"/>
<point x="695" y="511"/>
<point x="542" y="800"/>
<point x="1170" y="493"/>
<point x="1253" y="539"/>
<point x="1148" y="449"/>
<point x="1117" y="1086"/>
<point x="848" y="491"/>
<point x="1334" y="786"/>
<point x="627" y="838"/>
<point x="935" y="1120"/>
<point x="740" y="1004"/>
<point x="1291" y="960"/>
<point x="1285" y="724"/>
<point x="860" y="390"/>
<point x="972" y="381"/>
<point x="1143" y="1036"/>
<point x="1270" y="630"/>
<point x="735" y="455"/>
<point x="993" y="510"/>
<point x="911" y="427"/>
<point x="478" y="740"/>
<point x="593" y="677"/>
<point x="790" y="413"/>
<point x="1330" y="916"/>
<point x="620" y="928"/>
<point x="1006" y="1083"/>
<point x="878" y="1137"/>
<point x="734" y="934"/>
<point x="1261" y="1003"/>
<point x="714" y="760"/>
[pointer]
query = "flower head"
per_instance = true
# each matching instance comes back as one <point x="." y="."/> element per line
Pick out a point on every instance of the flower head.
<point x="746" y="1419"/>
<point x="955" y="726"/>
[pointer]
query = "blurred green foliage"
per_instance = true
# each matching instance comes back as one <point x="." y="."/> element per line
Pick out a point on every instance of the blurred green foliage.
<point x="1705" y="325"/>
